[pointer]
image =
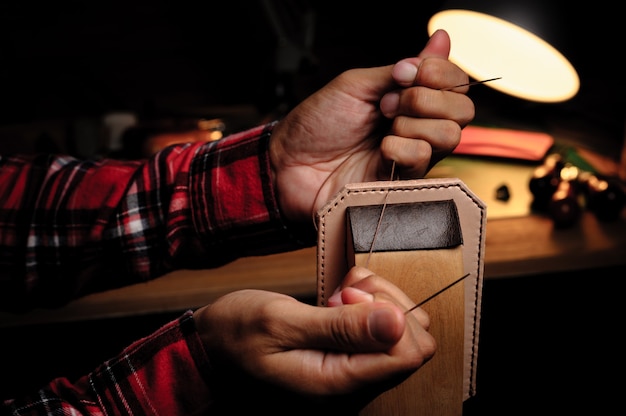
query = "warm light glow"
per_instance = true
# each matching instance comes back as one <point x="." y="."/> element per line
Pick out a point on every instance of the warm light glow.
<point x="569" y="173"/>
<point x="486" y="47"/>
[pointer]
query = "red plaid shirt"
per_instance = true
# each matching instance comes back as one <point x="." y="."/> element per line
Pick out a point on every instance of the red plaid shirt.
<point x="70" y="227"/>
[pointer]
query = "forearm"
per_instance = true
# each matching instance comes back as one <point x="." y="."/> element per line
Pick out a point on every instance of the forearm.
<point x="140" y="380"/>
<point x="71" y="227"/>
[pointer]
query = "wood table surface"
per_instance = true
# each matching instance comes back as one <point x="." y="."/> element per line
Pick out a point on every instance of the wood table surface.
<point x="522" y="246"/>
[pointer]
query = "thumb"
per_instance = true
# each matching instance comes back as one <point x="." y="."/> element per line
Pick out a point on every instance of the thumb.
<point x="405" y="71"/>
<point x="374" y="82"/>
<point x="361" y="327"/>
<point x="438" y="45"/>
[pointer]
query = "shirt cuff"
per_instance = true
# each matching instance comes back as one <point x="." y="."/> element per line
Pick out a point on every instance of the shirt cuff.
<point x="233" y="198"/>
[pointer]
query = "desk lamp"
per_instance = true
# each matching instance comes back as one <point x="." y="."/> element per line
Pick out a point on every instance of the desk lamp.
<point x="497" y="39"/>
<point x="518" y="42"/>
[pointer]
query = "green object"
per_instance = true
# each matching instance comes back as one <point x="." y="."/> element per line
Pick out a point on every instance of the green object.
<point x="571" y="155"/>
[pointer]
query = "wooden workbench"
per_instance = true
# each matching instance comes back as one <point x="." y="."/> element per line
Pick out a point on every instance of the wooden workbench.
<point x="522" y="246"/>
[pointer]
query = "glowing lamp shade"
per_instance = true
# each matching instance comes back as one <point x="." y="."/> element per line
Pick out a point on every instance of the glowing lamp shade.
<point x="486" y="47"/>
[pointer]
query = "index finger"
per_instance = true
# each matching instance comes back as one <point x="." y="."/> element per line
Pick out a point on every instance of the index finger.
<point x="383" y="290"/>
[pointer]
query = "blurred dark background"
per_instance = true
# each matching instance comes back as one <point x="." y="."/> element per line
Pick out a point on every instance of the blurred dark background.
<point x="156" y="59"/>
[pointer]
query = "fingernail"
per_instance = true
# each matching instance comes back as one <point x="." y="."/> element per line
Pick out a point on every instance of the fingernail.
<point x="389" y="104"/>
<point x="404" y="72"/>
<point x="379" y="321"/>
<point x="335" y="298"/>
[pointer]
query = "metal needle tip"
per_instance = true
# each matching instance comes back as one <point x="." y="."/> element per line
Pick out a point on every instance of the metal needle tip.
<point x="437" y="293"/>
<point x="471" y="83"/>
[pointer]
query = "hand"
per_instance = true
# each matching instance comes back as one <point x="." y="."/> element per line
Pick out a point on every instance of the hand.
<point x="351" y="129"/>
<point x="272" y="345"/>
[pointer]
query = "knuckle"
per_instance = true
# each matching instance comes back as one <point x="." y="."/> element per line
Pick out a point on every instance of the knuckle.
<point x="450" y="133"/>
<point x="432" y="73"/>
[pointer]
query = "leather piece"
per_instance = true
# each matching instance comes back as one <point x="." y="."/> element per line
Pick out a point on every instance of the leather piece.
<point x="408" y="226"/>
<point x="331" y="244"/>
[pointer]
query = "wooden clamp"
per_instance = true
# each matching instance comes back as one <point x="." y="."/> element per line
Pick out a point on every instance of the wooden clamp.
<point x="432" y="233"/>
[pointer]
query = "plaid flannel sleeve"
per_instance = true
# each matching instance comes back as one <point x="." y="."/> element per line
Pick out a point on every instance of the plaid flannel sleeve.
<point x="166" y="373"/>
<point x="70" y="227"/>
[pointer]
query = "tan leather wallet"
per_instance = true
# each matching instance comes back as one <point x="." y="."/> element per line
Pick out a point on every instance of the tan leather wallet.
<point x="334" y="248"/>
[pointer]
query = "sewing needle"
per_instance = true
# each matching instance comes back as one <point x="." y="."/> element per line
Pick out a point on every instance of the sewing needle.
<point x="471" y="83"/>
<point x="437" y="293"/>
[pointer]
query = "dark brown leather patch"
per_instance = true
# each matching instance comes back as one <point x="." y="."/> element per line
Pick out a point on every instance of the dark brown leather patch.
<point x="408" y="226"/>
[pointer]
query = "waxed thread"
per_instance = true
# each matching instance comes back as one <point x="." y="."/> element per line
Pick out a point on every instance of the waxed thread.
<point x="380" y="218"/>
